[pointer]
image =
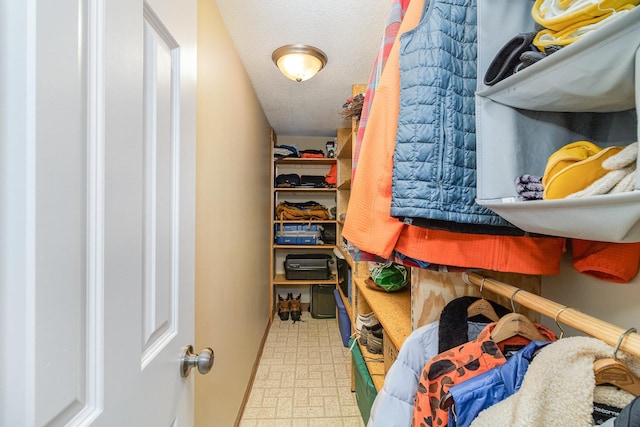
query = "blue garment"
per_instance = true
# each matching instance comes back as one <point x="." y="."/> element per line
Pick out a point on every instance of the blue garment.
<point x="434" y="171"/>
<point x="477" y="394"/>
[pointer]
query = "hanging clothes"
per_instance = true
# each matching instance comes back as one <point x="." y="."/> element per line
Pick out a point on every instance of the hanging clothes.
<point x="559" y="388"/>
<point x="393" y="406"/>
<point x="460" y="364"/>
<point x="472" y="396"/>
<point x="434" y="170"/>
<point x="398" y="10"/>
<point x="370" y="227"/>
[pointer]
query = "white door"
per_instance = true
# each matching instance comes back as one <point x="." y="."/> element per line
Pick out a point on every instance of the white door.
<point x="97" y="211"/>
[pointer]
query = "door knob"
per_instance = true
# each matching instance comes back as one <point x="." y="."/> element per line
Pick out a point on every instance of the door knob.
<point x="202" y="361"/>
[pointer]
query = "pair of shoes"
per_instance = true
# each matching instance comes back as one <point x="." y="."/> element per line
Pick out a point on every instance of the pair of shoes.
<point x="368" y="319"/>
<point x="367" y="331"/>
<point x="289" y="307"/>
<point x="375" y="341"/>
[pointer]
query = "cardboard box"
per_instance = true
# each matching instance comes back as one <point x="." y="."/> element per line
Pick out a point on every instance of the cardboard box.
<point x="390" y="353"/>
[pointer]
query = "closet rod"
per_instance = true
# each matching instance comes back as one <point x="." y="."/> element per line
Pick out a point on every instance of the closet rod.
<point x="590" y="325"/>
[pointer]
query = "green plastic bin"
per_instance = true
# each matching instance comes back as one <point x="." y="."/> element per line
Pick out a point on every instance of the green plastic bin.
<point x="365" y="390"/>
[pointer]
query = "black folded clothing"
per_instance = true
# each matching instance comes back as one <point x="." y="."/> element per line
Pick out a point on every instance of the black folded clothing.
<point x="505" y="62"/>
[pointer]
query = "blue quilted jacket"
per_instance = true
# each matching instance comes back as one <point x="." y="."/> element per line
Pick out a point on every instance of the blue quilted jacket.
<point x="434" y="172"/>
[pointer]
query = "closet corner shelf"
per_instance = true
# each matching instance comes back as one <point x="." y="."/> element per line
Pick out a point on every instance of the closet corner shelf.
<point x="605" y="218"/>
<point x="347" y="257"/>
<point x="595" y="74"/>
<point x="345" y="185"/>
<point x="345" y="150"/>
<point x="393" y="310"/>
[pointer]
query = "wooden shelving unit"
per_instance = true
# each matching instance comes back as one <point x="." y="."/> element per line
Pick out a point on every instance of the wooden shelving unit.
<point x="323" y="195"/>
<point x="393" y="309"/>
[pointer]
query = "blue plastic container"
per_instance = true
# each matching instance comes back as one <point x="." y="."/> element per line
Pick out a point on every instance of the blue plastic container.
<point x="344" y="323"/>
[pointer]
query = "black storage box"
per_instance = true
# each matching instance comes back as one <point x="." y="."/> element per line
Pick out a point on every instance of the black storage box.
<point x="307" y="266"/>
<point x="323" y="301"/>
<point x="343" y="276"/>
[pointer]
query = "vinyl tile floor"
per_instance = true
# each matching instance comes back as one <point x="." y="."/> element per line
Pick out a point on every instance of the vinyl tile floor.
<point x="303" y="378"/>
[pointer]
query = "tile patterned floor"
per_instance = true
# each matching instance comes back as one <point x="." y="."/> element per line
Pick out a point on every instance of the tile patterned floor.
<point x="303" y="379"/>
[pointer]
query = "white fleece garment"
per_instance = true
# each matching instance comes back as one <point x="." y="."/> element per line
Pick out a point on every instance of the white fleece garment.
<point x="559" y="388"/>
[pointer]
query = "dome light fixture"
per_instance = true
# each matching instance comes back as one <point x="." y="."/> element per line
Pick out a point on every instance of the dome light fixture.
<point x="299" y="62"/>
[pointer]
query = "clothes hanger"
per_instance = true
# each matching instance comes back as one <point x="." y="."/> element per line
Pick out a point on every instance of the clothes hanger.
<point x="615" y="372"/>
<point x="507" y="326"/>
<point x="514" y="324"/>
<point x="482" y="307"/>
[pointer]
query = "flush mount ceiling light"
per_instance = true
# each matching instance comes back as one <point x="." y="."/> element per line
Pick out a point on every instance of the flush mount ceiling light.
<point x="299" y="62"/>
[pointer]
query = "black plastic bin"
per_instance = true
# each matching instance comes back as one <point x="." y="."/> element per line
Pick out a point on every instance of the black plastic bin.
<point x="323" y="302"/>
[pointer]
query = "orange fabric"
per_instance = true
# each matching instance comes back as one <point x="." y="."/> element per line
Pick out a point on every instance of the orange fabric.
<point x="369" y="225"/>
<point x="331" y="177"/>
<point x="312" y="156"/>
<point x="613" y="262"/>
<point x="511" y="254"/>
<point x="459" y="364"/>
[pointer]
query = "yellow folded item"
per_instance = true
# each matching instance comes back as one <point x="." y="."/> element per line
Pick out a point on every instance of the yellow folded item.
<point x="574" y="167"/>
<point x="576" y="30"/>
<point x="560" y="14"/>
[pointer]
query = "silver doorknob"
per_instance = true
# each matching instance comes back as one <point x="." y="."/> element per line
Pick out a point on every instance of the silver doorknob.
<point x="202" y="361"/>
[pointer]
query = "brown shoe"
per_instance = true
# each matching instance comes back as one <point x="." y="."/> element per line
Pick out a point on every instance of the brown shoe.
<point x="283" y="307"/>
<point x="296" y="310"/>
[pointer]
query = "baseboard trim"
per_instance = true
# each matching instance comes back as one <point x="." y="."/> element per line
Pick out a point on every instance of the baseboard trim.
<point x="252" y="378"/>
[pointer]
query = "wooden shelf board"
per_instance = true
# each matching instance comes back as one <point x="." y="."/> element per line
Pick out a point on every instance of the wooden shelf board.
<point x="375" y="364"/>
<point x="304" y="246"/>
<point x="345" y="141"/>
<point x="347" y="306"/>
<point x="305" y="161"/>
<point x="345" y="185"/>
<point x="281" y="279"/>
<point x="299" y="221"/>
<point x="393" y="310"/>
<point x="305" y="189"/>
<point x="347" y="258"/>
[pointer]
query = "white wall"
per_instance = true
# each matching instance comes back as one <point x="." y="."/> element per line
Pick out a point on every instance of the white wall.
<point x="617" y="303"/>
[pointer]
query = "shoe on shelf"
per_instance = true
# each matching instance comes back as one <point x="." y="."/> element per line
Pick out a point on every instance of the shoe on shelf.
<point x="374" y="341"/>
<point x="295" y="308"/>
<point x="366" y="331"/>
<point x="284" y="307"/>
<point x="368" y="319"/>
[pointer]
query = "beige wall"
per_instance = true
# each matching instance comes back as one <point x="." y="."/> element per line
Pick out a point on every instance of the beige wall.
<point x="232" y="224"/>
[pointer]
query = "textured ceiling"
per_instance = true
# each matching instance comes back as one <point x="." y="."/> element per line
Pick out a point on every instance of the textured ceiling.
<point x="348" y="31"/>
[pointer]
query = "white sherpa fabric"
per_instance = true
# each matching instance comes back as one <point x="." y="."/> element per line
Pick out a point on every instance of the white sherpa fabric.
<point x="628" y="183"/>
<point x="622" y="159"/>
<point x="558" y="388"/>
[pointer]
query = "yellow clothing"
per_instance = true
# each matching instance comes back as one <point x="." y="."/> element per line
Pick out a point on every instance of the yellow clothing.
<point x="561" y="14"/>
<point x="576" y="30"/>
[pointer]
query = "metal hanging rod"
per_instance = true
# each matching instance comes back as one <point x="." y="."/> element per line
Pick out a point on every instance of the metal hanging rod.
<point x="597" y="328"/>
